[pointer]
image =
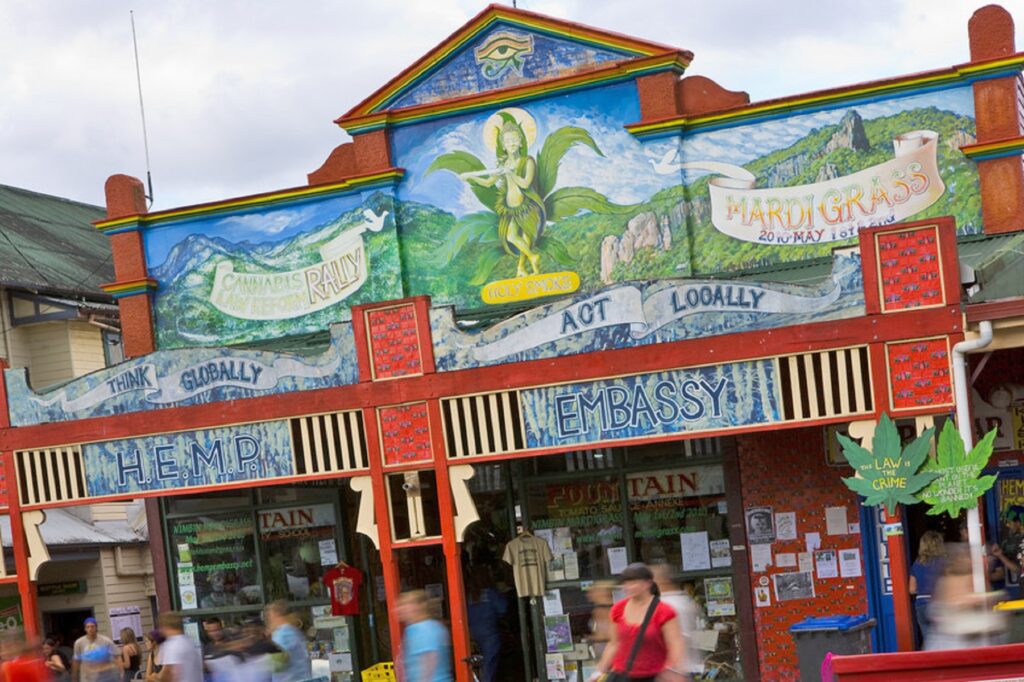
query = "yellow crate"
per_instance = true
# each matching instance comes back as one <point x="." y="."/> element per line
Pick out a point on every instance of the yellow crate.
<point x="382" y="672"/>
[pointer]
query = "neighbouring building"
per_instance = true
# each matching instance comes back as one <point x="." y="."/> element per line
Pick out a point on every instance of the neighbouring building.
<point x="58" y="325"/>
<point x="555" y="288"/>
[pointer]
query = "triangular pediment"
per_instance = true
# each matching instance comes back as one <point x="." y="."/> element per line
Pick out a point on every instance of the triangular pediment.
<point x="505" y="48"/>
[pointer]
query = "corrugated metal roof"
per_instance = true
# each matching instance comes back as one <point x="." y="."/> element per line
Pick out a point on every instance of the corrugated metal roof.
<point x="49" y="244"/>
<point x="62" y="528"/>
<point x="998" y="263"/>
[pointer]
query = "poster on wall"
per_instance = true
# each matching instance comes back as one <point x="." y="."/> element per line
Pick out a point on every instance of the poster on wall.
<point x="271" y="272"/>
<point x="793" y="586"/>
<point x="760" y="528"/>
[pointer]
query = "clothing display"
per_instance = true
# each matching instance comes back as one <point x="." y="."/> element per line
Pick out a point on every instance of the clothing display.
<point x="529" y="556"/>
<point x="343" y="584"/>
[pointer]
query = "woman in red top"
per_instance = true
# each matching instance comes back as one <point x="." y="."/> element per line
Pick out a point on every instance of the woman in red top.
<point x="661" y="653"/>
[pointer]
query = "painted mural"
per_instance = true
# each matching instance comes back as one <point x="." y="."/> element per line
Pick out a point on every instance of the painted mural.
<point x="173" y="378"/>
<point x="272" y="272"/>
<point x="658" y="403"/>
<point x="189" y="459"/>
<point x="642" y="313"/>
<point x="555" y="195"/>
<point x="504" y="56"/>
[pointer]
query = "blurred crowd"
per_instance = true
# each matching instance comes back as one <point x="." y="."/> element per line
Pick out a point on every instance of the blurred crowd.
<point x="248" y="652"/>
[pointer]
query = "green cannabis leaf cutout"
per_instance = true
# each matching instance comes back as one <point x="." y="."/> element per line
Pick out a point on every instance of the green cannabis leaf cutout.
<point x="888" y="473"/>
<point x="957" y="485"/>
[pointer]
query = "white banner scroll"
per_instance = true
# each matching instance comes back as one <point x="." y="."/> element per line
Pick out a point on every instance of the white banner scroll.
<point x="826" y="211"/>
<point x="190" y="381"/>
<point x="284" y="295"/>
<point x="626" y="305"/>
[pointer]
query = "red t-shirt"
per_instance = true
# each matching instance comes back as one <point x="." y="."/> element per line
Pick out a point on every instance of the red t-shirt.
<point x="343" y="585"/>
<point x="650" y="659"/>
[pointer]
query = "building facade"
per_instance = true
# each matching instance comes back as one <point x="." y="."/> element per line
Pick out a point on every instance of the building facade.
<point x="553" y="291"/>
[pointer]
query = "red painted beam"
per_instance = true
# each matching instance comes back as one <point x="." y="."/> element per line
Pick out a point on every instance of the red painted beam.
<point x="976" y="663"/>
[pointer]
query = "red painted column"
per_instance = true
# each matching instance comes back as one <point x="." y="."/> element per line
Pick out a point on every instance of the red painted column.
<point x="26" y="586"/>
<point x="450" y="545"/>
<point x="392" y="584"/>
<point x="900" y="585"/>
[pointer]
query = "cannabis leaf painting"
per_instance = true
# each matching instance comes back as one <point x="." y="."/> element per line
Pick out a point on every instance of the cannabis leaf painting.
<point x="519" y="195"/>
<point x="888" y="474"/>
<point x="958" y="485"/>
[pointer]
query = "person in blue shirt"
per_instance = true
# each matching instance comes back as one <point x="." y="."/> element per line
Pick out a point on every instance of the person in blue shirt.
<point x="291" y="640"/>
<point x="925" y="572"/>
<point x="426" y="647"/>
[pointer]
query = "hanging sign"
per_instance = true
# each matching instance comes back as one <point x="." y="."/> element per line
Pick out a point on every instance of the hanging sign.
<point x="888" y="474"/>
<point x="958" y="485"/>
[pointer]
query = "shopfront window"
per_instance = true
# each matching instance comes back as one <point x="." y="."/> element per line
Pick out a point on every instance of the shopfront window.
<point x="597" y="511"/>
<point x="298" y="546"/>
<point x="214" y="560"/>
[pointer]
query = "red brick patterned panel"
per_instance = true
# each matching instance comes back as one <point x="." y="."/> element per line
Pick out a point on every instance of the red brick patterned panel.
<point x="405" y="433"/>
<point x="786" y="470"/>
<point x="910" y="268"/>
<point x="919" y="374"/>
<point x="394" y="342"/>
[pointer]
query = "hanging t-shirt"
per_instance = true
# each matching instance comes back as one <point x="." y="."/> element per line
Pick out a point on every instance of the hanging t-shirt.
<point x="529" y="557"/>
<point x="343" y="583"/>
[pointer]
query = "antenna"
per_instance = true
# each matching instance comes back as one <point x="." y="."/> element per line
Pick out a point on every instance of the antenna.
<point x="142" y="108"/>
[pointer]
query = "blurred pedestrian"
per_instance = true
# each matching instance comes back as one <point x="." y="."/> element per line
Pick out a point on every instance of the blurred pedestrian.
<point x="1007" y="552"/>
<point x="686" y="612"/>
<point x="24" y="661"/>
<point x="179" y="657"/>
<point x="601" y="597"/>
<point x="646" y="642"/>
<point x="426" y="646"/>
<point x="260" y="655"/>
<point x="56" y="661"/>
<point x="153" y="639"/>
<point x="291" y="640"/>
<point x="924" y="573"/>
<point x="485" y="608"/>
<point x="959" y="617"/>
<point x="94" y="657"/>
<point x="130" y="658"/>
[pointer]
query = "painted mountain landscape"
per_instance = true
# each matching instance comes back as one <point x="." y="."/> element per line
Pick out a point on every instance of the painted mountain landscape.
<point x="670" y="232"/>
<point x="183" y="309"/>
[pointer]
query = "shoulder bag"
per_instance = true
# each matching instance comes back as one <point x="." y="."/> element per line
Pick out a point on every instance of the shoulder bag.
<point x="624" y="676"/>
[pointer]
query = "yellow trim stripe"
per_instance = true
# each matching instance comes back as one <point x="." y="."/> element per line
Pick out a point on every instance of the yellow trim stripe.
<point x="244" y="202"/>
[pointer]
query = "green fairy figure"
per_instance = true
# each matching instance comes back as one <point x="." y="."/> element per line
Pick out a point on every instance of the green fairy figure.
<point x="518" y="204"/>
<point x="520" y="195"/>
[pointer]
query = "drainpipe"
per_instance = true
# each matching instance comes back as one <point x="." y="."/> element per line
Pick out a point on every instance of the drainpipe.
<point x="961" y="390"/>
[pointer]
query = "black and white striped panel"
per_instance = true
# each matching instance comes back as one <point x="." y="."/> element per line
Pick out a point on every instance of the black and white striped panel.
<point x="50" y="475"/>
<point x="825" y="384"/>
<point x="487" y="424"/>
<point x="329" y="443"/>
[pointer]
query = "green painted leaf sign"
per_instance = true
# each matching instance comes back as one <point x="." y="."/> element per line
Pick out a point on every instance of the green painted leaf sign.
<point x="888" y="474"/>
<point x="957" y="485"/>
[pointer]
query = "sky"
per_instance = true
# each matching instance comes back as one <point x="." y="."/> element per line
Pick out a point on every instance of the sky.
<point x="240" y="96"/>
